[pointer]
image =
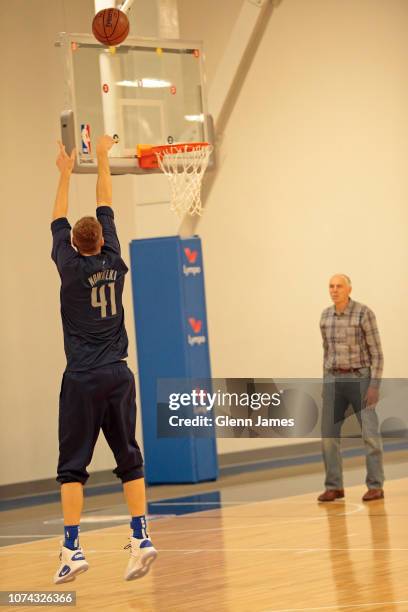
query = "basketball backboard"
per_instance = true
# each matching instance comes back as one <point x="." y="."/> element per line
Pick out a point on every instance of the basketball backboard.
<point x="144" y="91"/>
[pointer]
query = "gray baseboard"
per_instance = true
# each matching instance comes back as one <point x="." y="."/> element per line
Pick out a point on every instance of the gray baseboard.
<point x="50" y="485"/>
<point x="287" y="451"/>
<point x="263" y="458"/>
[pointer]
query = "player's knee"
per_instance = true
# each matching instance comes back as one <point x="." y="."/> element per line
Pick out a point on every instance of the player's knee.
<point x="128" y="474"/>
<point x="65" y="476"/>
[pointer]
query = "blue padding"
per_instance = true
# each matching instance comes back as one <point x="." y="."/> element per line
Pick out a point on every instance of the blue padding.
<point x="172" y="342"/>
<point x="187" y="504"/>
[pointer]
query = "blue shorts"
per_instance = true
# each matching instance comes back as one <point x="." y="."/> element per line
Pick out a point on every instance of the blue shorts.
<point x="105" y="399"/>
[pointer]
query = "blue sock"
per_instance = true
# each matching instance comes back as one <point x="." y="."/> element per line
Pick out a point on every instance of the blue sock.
<point x="71" y="533"/>
<point x="139" y="526"/>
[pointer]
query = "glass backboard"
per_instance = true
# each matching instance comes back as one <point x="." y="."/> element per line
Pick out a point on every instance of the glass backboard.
<point x="143" y="92"/>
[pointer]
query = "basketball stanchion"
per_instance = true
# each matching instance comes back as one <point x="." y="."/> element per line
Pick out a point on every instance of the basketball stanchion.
<point x="184" y="165"/>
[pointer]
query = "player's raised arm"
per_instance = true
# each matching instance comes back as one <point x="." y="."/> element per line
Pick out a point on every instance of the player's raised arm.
<point x="104" y="211"/>
<point x="104" y="181"/>
<point x="65" y="164"/>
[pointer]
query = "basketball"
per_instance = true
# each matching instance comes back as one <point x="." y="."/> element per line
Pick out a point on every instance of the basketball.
<point x="110" y="26"/>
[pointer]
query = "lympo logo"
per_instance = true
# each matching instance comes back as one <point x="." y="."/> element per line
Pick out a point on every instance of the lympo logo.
<point x="191" y="255"/>
<point x="196" y="326"/>
<point x="191" y="258"/>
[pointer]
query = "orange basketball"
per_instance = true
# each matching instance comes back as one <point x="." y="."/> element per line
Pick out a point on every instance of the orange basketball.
<point x="110" y="26"/>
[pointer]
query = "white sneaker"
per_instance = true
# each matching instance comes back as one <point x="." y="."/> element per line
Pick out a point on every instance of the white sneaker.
<point x="73" y="562"/>
<point x="142" y="555"/>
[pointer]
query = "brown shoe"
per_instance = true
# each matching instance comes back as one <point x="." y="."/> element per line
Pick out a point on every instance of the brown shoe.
<point x="330" y="495"/>
<point x="373" y="494"/>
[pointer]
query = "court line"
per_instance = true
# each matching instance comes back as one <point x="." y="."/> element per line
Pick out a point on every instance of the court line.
<point x="242" y="503"/>
<point x="338" y="607"/>
<point x="224" y="527"/>
<point x="232" y="550"/>
<point x="358" y="508"/>
<point x="47" y="536"/>
<point x="33" y="535"/>
<point x="208" y="503"/>
<point x="108" y="518"/>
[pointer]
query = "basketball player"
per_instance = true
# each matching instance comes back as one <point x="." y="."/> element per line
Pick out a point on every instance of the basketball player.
<point x="98" y="389"/>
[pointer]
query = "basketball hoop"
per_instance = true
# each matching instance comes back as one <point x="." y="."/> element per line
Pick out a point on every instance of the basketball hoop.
<point x="184" y="165"/>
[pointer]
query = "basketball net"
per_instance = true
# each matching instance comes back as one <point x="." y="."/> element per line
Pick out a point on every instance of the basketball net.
<point x="184" y="165"/>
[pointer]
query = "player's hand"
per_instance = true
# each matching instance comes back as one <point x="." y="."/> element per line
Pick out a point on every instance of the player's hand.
<point x="65" y="162"/>
<point x="371" y="398"/>
<point x="103" y="144"/>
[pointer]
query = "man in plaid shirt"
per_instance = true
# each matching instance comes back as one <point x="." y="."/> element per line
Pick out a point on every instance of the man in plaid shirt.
<point x="353" y="363"/>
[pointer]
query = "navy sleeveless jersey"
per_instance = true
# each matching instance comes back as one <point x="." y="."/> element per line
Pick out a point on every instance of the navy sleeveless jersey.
<point x="91" y="296"/>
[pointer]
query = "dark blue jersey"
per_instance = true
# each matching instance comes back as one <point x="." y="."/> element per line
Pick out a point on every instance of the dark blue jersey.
<point x="91" y="296"/>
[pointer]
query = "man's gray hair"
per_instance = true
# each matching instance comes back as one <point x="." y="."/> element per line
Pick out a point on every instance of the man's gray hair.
<point x="346" y="278"/>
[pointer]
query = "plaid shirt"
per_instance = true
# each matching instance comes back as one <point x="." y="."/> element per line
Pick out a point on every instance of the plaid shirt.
<point x="351" y="339"/>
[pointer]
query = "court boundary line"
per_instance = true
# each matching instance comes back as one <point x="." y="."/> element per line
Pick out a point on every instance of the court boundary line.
<point x="232" y="550"/>
<point x="337" y="607"/>
<point x="359" y="508"/>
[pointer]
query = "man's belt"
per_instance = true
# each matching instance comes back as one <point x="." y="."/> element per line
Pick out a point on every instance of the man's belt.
<point x="344" y="370"/>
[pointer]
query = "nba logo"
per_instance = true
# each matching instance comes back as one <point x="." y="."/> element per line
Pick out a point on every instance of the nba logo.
<point x="86" y="138"/>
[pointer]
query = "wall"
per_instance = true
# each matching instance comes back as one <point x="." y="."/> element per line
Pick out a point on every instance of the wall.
<point x="312" y="181"/>
<point x="32" y="356"/>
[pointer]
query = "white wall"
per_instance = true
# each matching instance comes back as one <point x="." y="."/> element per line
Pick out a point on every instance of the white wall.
<point x="32" y="358"/>
<point x="313" y="181"/>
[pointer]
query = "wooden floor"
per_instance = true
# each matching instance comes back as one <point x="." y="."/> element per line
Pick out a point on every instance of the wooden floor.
<point x="288" y="554"/>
